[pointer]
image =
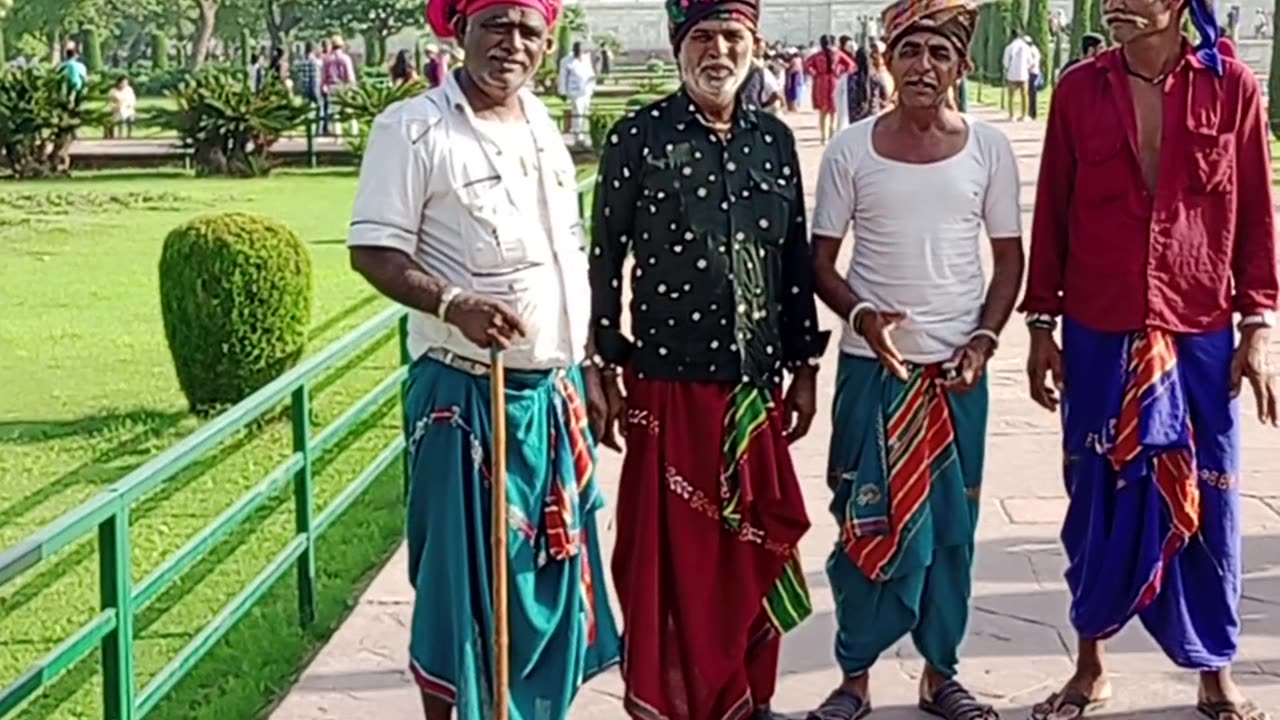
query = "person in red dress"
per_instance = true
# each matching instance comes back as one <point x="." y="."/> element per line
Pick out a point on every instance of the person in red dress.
<point x="825" y="67"/>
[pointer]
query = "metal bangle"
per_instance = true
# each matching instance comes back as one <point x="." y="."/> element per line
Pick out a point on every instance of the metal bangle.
<point x="988" y="334"/>
<point x="858" y="309"/>
<point x="446" y="298"/>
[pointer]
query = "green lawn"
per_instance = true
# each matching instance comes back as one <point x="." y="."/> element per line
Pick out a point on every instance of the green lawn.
<point x="89" y="393"/>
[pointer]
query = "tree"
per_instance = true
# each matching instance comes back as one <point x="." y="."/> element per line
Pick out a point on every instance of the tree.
<point x="205" y="25"/>
<point x="1273" y="77"/>
<point x="1016" y="20"/>
<point x="283" y="17"/>
<point x="5" y="7"/>
<point x="1095" y="18"/>
<point x="1080" y="13"/>
<point x="374" y="20"/>
<point x="1038" y="28"/>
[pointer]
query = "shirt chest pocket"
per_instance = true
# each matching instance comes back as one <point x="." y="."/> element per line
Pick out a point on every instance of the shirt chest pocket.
<point x="1105" y="168"/>
<point x="490" y="226"/>
<point x="768" y="205"/>
<point x="1212" y="162"/>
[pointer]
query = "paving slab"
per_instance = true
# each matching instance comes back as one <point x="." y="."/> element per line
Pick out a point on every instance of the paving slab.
<point x="1020" y="645"/>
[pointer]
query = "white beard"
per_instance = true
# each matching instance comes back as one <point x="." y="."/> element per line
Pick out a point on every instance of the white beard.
<point x="721" y="91"/>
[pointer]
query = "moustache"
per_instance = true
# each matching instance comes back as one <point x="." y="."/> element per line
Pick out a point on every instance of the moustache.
<point x="925" y="82"/>
<point x="1119" y="16"/>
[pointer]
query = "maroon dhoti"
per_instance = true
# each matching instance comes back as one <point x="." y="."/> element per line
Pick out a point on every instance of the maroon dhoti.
<point x="709" y="514"/>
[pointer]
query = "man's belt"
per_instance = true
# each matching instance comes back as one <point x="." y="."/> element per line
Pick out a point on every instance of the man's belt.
<point x="458" y="362"/>
<point x="468" y="365"/>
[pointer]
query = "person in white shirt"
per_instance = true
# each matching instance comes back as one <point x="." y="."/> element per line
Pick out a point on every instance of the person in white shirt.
<point x="124" y="108"/>
<point x="1035" y="72"/>
<point x="918" y="184"/>
<point x="1016" y="63"/>
<point x="466" y="212"/>
<point x="577" y="84"/>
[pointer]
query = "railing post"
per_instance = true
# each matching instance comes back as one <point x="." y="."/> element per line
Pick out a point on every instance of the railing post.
<point x="115" y="582"/>
<point x="303" y="504"/>
<point x="405" y="359"/>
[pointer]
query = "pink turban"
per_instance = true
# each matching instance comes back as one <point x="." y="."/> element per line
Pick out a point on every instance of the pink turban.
<point x="441" y="13"/>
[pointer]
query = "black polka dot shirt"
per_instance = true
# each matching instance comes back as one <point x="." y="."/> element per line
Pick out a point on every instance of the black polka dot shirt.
<point x="722" y="278"/>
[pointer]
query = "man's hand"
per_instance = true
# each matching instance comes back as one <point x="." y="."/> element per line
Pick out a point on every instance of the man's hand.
<point x="1250" y="361"/>
<point x="875" y="327"/>
<point x="1044" y="360"/>
<point x="970" y="362"/>
<point x="606" y="406"/>
<point x="485" y="321"/>
<point x="801" y="403"/>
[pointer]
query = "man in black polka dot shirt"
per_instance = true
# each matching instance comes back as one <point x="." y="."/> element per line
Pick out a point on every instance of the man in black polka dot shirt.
<point x="702" y="191"/>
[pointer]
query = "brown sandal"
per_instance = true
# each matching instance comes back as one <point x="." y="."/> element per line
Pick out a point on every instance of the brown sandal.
<point x="1069" y="699"/>
<point x="1227" y="710"/>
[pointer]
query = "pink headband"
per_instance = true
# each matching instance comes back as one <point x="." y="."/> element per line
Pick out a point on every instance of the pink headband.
<point x="442" y="13"/>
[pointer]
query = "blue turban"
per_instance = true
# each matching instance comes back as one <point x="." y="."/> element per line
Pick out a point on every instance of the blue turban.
<point x="1205" y="21"/>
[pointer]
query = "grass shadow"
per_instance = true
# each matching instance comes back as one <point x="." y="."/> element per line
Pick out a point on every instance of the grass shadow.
<point x="269" y="636"/>
<point x="74" y="681"/>
<point x="330" y="322"/>
<point x="151" y="425"/>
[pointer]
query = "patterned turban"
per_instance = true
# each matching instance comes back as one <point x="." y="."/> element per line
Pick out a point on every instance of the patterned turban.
<point x="954" y="20"/>
<point x="682" y="15"/>
<point x="442" y="13"/>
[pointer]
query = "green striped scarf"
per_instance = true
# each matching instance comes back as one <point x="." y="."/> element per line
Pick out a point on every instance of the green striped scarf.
<point x="787" y="602"/>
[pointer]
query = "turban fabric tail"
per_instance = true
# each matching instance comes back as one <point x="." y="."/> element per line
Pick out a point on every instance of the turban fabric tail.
<point x="442" y="13"/>
<point x="1206" y="24"/>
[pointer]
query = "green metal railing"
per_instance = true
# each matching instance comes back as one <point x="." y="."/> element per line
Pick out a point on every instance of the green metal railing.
<point x="108" y="513"/>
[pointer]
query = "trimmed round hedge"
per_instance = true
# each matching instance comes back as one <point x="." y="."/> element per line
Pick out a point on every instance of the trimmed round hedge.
<point x="235" y="292"/>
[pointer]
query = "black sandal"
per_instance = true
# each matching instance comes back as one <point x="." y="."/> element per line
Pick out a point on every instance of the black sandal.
<point x="841" y="704"/>
<point x="1067" y="699"/>
<point x="952" y="701"/>
<point x="1227" y="710"/>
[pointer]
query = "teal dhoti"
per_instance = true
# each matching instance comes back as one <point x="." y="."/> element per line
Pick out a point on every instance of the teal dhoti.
<point x="906" y="466"/>
<point x="562" y="630"/>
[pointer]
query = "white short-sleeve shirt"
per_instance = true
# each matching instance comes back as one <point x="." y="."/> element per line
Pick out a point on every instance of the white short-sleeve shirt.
<point x="490" y="210"/>
<point x="917" y="232"/>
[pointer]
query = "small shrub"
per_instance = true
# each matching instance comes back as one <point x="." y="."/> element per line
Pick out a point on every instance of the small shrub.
<point x="602" y="121"/>
<point x="39" y="117"/>
<point x="365" y="102"/>
<point x="229" y="127"/>
<point x="235" y="294"/>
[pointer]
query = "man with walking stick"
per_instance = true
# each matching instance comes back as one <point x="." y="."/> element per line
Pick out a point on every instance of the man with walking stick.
<point x="704" y="191"/>
<point x="467" y="214"/>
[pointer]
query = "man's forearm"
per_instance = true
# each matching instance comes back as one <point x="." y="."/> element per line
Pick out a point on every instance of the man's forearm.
<point x="397" y="276"/>
<point x="1006" y="279"/>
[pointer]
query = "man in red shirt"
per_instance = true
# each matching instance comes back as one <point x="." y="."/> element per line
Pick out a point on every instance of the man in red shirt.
<point x="1153" y="226"/>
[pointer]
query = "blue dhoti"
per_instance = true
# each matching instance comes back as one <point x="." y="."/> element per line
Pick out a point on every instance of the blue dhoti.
<point x="562" y="630"/>
<point x="1151" y="438"/>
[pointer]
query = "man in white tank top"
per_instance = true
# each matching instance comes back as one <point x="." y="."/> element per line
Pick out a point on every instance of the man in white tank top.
<point x="919" y="184"/>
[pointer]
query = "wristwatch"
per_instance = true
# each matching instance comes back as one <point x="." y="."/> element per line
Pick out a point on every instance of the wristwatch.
<point x="1042" y="321"/>
<point x="448" y="296"/>
<point x="1265" y="319"/>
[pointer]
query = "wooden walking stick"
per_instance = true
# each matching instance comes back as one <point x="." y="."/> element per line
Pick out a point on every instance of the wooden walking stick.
<point x="501" y="639"/>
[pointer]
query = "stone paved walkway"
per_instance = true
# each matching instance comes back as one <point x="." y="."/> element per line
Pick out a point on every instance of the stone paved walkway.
<point x="1020" y="645"/>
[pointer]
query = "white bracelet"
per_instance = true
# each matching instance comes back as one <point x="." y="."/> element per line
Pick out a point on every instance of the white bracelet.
<point x="858" y="308"/>
<point x="986" y="333"/>
<point x="446" y="298"/>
